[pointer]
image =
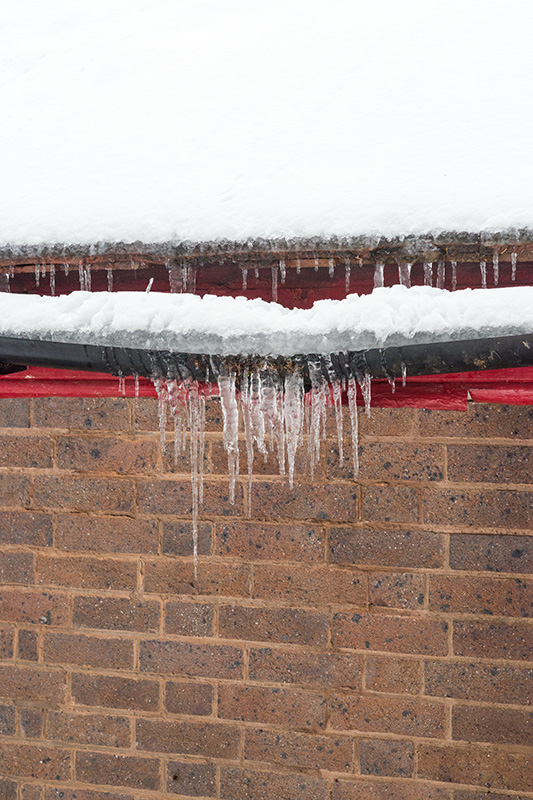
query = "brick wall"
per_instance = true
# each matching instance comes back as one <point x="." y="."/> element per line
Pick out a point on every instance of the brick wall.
<point x="351" y="641"/>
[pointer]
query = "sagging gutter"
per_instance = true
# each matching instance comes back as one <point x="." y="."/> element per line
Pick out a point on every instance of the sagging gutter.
<point x="390" y="363"/>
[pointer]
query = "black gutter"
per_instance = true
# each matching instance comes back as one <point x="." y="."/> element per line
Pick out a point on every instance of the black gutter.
<point x="417" y="359"/>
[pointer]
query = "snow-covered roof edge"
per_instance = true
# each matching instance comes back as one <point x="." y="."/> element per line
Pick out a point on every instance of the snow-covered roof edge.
<point x="461" y="245"/>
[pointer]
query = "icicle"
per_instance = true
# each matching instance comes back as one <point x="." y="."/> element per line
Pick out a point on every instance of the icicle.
<point x="352" y="405"/>
<point x="162" y="396"/>
<point x="149" y="287"/>
<point x="52" y="279"/>
<point x="366" y="389"/>
<point x="404" y="273"/>
<point x="331" y="268"/>
<point x="43" y="270"/>
<point x="122" y="385"/>
<point x="454" y="276"/>
<point x="293" y="412"/>
<point x="4" y="282"/>
<point x="337" y="399"/>
<point x="88" y="277"/>
<point x="230" y="433"/>
<point x="483" y="268"/>
<point x="37" y="274"/>
<point x="81" y="276"/>
<point x="256" y="273"/>
<point x="174" y="277"/>
<point x="318" y="412"/>
<point x="441" y="274"/>
<point x="514" y="257"/>
<point x="379" y="275"/>
<point x="316" y="263"/>
<point x="282" y="269"/>
<point x="136" y="385"/>
<point x="275" y="284"/>
<point x="496" y="267"/>
<point x="244" y="272"/>
<point x="109" y="280"/>
<point x="271" y="409"/>
<point x="248" y="434"/>
<point x="347" y="274"/>
<point x="196" y="449"/>
<point x="298" y="266"/>
<point x="66" y="268"/>
<point x="428" y="273"/>
<point x="404" y="373"/>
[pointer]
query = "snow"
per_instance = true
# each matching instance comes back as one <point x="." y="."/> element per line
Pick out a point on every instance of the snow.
<point x="200" y="120"/>
<point x="396" y="315"/>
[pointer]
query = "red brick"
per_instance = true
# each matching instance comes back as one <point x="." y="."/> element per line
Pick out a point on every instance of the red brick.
<point x="81" y="413"/>
<point x="106" y="454"/>
<point x="493" y="639"/>
<point x="385" y="790"/>
<point x="196" y="660"/>
<point x="24" y="683"/>
<point x="31" y="761"/>
<point x="502" y="553"/>
<point x="7" y="720"/>
<point x="16" y="568"/>
<point x="28" y="645"/>
<point x="243" y="784"/>
<point x="492" y="684"/>
<point x="86" y="573"/>
<point x="393" y="675"/>
<point x="14" y="413"/>
<point x="36" y="608"/>
<point x="116" y="613"/>
<point x="83" y="494"/>
<point x="189" y="619"/>
<point x="397" y="589"/>
<point x="273" y="625"/>
<point x="285" y="707"/>
<point x="306" y="668"/>
<point x="384" y="503"/>
<point x="479" y="420"/>
<point x="118" y="770"/>
<point x="173" y="497"/>
<point x="112" y="691"/>
<point x="413" y="635"/>
<point x="25" y="451"/>
<point x="389" y="758"/>
<point x="106" y="534"/>
<point x="490" y="463"/>
<point x="192" y="780"/>
<point x="478" y="766"/>
<point x="14" y="493"/>
<point x="386" y="548"/>
<point x="259" y="541"/>
<point x="26" y="528"/>
<point x="189" y="697"/>
<point x="88" y="651"/>
<point x="305" y="584"/>
<point x="31" y="723"/>
<point x="169" y="576"/>
<point x="335" y="502"/>
<point x="495" y="725"/>
<point x="298" y="750"/>
<point x="509" y="597"/>
<point x="378" y="714"/>
<point x="212" y="740"/>
<point x="6" y="643"/>
<point x="91" y="729"/>
<point x="486" y="508"/>
<point x="177" y="538"/>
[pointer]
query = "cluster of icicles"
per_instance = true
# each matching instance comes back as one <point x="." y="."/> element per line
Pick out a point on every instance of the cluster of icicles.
<point x="278" y="416"/>
<point x="182" y="277"/>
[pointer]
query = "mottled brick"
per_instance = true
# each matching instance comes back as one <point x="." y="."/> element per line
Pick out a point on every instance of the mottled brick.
<point x="106" y="454"/>
<point x="106" y="534"/>
<point x="212" y="740"/>
<point x="35" y="684"/>
<point x="244" y="784"/>
<point x="298" y="750"/>
<point x="478" y="766"/>
<point x="499" y="553"/>
<point x="397" y="589"/>
<point x="487" y="508"/>
<point x="335" y="502"/>
<point x="493" y="639"/>
<point x="494" y="725"/>
<point x="306" y="584"/>
<point x="416" y="635"/>
<point x="189" y="697"/>
<point x="173" y="497"/>
<point x="14" y="412"/>
<point x="88" y="651"/>
<point x="16" y="568"/>
<point x="189" y="619"/>
<point x="509" y="597"/>
<point x="386" y="548"/>
<point x="138" y="772"/>
<point x="86" y="573"/>
<point x="383" y="757"/>
<point x="479" y="420"/>
<point x="284" y="707"/>
<point x="393" y="675"/>
<point x="34" y="607"/>
<point x="25" y="528"/>
<point x="116" y="613"/>
<point x="258" y="541"/>
<point x="81" y="413"/>
<point x="28" y="645"/>
<point x="490" y="463"/>
<point x="83" y="494"/>
<point x="486" y="682"/>
<point x="31" y="761"/>
<point x="305" y="668"/>
<point x="178" y="539"/>
<point x="14" y="492"/>
<point x="89" y="729"/>
<point x="273" y="625"/>
<point x="169" y="576"/>
<point x="383" y="503"/>
<point x="112" y="691"/>
<point x="375" y="713"/>
<point x="195" y="660"/>
<point x="387" y="790"/>
<point x="192" y="780"/>
<point x="28" y="452"/>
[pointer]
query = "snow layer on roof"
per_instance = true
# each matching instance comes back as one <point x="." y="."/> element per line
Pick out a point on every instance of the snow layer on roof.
<point x="235" y="325"/>
<point x="200" y="119"/>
